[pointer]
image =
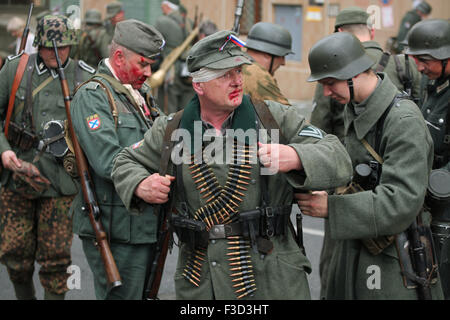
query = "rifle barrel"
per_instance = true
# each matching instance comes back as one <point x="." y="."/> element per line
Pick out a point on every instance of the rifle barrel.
<point x="26" y="31"/>
<point x="112" y="272"/>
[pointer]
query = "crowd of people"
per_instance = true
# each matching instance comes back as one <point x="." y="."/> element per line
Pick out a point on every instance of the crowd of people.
<point x="224" y="155"/>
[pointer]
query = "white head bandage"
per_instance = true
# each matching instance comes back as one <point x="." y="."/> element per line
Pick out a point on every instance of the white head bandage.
<point x="206" y="74"/>
<point x="171" y="5"/>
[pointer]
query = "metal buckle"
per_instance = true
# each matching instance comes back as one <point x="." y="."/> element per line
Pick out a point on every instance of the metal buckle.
<point x="269" y="212"/>
<point x="217" y="232"/>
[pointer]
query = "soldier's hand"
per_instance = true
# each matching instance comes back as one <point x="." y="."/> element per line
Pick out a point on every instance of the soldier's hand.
<point x="279" y="157"/>
<point x="154" y="189"/>
<point x="313" y="204"/>
<point x="10" y="160"/>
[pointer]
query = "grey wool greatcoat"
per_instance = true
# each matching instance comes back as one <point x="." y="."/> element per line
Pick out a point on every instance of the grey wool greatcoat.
<point x="407" y="150"/>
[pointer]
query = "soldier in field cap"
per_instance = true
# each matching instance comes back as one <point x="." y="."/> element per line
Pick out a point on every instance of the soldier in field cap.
<point x="104" y="127"/>
<point x="241" y="245"/>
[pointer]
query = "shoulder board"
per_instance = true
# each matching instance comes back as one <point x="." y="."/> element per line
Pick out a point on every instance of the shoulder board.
<point x="83" y="65"/>
<point x="92" y="85"/>
<point x="12" y="57"/>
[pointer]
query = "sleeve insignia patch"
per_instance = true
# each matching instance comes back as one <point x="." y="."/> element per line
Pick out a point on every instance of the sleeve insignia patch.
<point x="137" y="144"/>
<point x="94" y="122"/>
<point x="311" y="131"/>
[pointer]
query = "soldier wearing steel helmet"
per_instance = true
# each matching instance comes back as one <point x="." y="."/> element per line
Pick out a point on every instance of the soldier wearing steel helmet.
<point x="243" y="247"/>
<point x="268" y="44"/>
<point x="429" y="44"/>
<point x="392" y="154"/>
<point x="328" y="114"/>
<point x="36" y="190"/>
<point x="420" y="12"/>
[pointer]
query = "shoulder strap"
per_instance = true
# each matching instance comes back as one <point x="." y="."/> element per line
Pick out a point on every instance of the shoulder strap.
<point x="112" y="103"/>
<point x="168" y="145"/>
<point x="12" y="97"/>
<point x="267" y="119"/>
<point x="383" y="62"/>
<point x="375" y="152"/>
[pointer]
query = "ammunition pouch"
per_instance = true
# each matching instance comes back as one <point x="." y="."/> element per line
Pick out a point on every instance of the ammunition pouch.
<point x="21" y="138"/>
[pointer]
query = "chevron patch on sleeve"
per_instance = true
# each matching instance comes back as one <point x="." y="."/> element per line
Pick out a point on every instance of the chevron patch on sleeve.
<point x="311" y="131"/>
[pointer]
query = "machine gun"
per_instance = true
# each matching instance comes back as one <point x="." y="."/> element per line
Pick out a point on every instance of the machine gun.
<point x="112" y="273"/>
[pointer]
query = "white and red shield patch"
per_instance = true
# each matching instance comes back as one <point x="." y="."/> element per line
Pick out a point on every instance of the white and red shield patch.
<point x="94" y="122"/>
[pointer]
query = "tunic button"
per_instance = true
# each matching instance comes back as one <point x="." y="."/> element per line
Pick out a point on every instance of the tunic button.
<point x="253" y="181"/>
<point x="441" y="121"/>
<point x="44" y="114"/>
<point x="214" y="263"/>
<point x="428" y="111"/>
<point x="213" y="241"/>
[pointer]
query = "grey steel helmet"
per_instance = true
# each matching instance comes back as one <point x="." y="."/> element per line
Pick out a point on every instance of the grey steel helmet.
<point x="431" y="37"/>
<point x="93" y="16"/>
<point x="271" y="38"/>
<point x="340" y="56"/>
<point x="424" y="7"/>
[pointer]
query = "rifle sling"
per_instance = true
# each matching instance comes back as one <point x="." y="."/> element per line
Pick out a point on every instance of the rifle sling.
<point x="12" y="97"/>
<point x="111" y="101"/>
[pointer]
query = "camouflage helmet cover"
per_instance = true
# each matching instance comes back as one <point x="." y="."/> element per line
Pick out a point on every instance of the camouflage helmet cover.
<point x="430" y="37"/>
<point x="340" y="56"/>
<point x="55" y="27"/>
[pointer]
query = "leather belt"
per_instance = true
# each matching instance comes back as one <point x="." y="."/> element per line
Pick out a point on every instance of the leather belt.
<point x="222" y="231"/>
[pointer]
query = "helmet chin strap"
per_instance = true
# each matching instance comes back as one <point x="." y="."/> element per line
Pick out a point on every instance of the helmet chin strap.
<point x="444" y="66"/>
<point x="351" y="89"/>
<point x="271" y="63"/>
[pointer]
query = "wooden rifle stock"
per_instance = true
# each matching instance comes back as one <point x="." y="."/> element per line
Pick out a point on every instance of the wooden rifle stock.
<point x="162" y="246"/>
<point x="26" y="31"/>
<point x="112" y="273"/>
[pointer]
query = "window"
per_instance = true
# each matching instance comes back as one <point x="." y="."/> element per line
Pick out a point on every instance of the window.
<point x="291" y="17"/>
<point x="251" y="14"/>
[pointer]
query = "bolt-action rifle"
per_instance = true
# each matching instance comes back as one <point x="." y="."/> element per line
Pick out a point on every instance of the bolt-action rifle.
<point x="91" y="204"/>
<point x="26" y="31"/>
<point x="237" y="16"/>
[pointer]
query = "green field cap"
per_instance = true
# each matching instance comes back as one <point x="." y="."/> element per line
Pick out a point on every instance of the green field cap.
<point x="221" y="50"/>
